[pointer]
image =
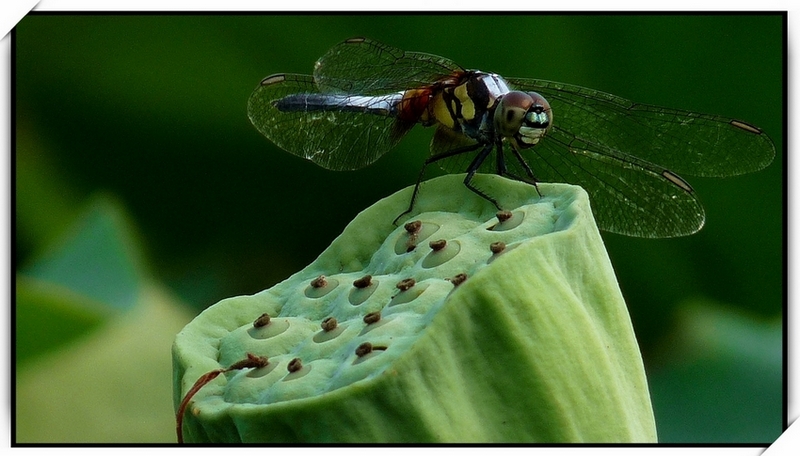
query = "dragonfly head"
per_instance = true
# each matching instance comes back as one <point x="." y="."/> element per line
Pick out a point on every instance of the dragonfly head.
<point x="524" y="117"/>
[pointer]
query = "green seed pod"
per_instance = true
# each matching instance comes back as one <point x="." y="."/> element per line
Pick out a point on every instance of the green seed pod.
<point x="536" y="346"/>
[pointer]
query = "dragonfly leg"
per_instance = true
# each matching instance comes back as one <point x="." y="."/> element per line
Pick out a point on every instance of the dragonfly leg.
<point x="503" y="171"/>
<point x="524" y="164"/>
<point x="473" y="168"/>
<point x="501" y="161"/>
<point x="531" y="178"/>
<point x="414" y="193"/>
<point x="435" y="158"/>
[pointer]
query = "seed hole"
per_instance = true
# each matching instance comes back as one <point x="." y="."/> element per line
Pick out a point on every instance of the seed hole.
<point x="507" y="220"/>
<point x="262" y="371"/>
<point x="441" y="256"/>
<point x="498" y="249"/>
<point x="360" y="293"/>
<point x="438" y="245"/>
<point x="366" y="351"/>
<point x="296" y="370"/>
<point x="408" y="295"/>
<point x="273" y="328"/>
<point x="324" y="336"/>
<point x="374" y="325"/>
<point x="320" y="286"/>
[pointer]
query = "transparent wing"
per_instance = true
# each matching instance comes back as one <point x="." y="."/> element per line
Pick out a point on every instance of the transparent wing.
<point x="628" y="196"/>
<point x="335" y="136"/>
<point x="683" y="141"/>
<point x="366" y="67"/>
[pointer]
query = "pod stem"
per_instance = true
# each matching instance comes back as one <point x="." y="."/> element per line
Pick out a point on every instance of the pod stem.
<point x="251" y="361"/>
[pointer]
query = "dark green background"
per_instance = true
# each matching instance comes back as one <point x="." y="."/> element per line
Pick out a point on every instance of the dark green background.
<point x="152" y="109"/>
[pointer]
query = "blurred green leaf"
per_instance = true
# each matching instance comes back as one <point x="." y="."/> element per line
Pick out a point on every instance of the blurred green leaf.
<point x="723" y="381"/>
<point x="92" y="272"/>
<point x="110" y="386"/>
<point x="49" y="315"/>
<point x="97" y="257"/>
<point x="92" y="338"/>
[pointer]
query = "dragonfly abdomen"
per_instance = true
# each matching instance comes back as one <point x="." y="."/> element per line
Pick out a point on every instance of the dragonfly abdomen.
<point x="385" y="105"/>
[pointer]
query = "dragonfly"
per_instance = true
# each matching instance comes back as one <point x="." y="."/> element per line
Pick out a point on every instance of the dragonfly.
<point x="364" y="96"/>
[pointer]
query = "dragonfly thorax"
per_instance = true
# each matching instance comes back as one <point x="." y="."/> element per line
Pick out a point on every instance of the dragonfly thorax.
<point x="524" y="117"/>
<point x="463" y="104"/>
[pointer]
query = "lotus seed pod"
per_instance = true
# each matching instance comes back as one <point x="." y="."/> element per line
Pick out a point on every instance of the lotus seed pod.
<point x="536" y="345"/>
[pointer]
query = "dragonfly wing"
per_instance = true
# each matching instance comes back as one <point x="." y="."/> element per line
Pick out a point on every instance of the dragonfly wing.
<point x="367" y="67"/>
<point x="684" y="141"/>
<point x="628" y="196"/>
<point x="336" y="135"/>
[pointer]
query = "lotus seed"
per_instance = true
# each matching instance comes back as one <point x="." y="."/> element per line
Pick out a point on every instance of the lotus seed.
<point x="364" y="349"/>
<point x="438" y="245"/>
<point x="458" y="279"/>
<point x="413" y="227"/>
<point x="329" y="324"/>
<point x="251" y="361"/>
<point x="270" y="329"/>
<point x="363" y="282"/>
<point x="261" y="321"/>
<point x="503" y="215"/>
<point x="294" y="365"/>
<point x="319" y="282"/>
<point x="405" y="284"/>
<point x="508" y="220"/>
<point x="497" y="247"/>
<point x="372" y="317"/>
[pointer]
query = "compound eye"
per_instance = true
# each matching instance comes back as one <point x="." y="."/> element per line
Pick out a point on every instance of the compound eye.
<point x="537" y="121"/>
<point x="511" y="112"/>
<point x="539" y="113"/>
